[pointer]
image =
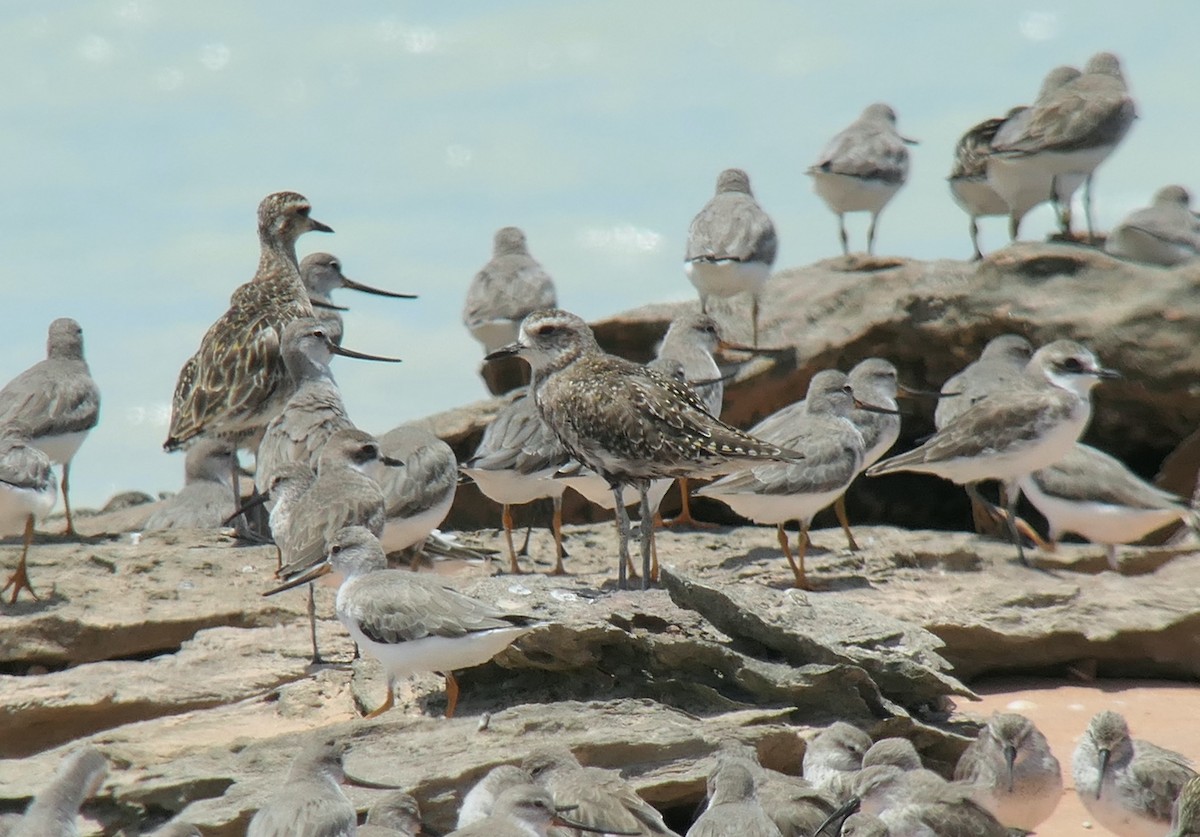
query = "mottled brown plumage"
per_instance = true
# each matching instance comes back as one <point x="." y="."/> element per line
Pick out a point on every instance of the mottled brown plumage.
<point x="626" y="422"/>
<point x="236" y="380"/>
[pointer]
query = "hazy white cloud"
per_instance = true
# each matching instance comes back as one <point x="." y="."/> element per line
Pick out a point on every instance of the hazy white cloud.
<point x="417" y="40"/>
<point x="1039" y="26"/>
<point x="458" y="156"/>
<point x="620" y="240"/>
<point x="215" y="56"/>
<point x="96" y="49"/>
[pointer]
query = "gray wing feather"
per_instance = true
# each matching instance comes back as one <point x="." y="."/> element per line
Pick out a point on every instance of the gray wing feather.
<point x="51" y="397"/>
<point x="867" y="152"/>
<point x="732" y="226"/>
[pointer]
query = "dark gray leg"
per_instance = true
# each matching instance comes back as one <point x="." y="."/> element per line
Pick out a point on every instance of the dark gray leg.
<point x="646" y="530"/>
<point x="845" y="238"/>
<point x="312" y="623"/>
<point x="1012" y="491"/>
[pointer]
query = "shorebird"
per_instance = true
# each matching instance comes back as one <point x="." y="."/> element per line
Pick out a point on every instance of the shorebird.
<point x="1185" y="816"/>
<point x="920" y="802"/>
<point x="53" y="811"/>
<point x="1094" y="495"/>
<point x="687" y="351"/>
<point x="314" y="411"/>
<point x="27" y="494"/>
<point x="480" y="800"/>
<point x="56" y="400"/>
<point x="731" y="244"/>
<point x="794" y="805"/>
<point x="776" y="493"/>
<point x="418" y="496"/>
<point x="833" y="757"/>
<point x="733" y="806"/>
<point x="311" y="802"/>
<point x="874" y="382"/>
<point x="1023" y="183"/>
<point x="897" y="752"/>
<point x="1012" y="772"/>
<point x="411" y="622"/>
<point x="395" y="814"/>
<point x="628" y="423"/>
<point x="345" y="493"/>
<point x="1164" y="233"/>
<point x="1016" y="431"/>
<point x="1001" y="364"/>
<point x="599" y="798"/>
<point x="862" y="168"/>
<point x="525" y="811"/>
<point x="1127" y="785"/>
<point x="204" y="501"/>
<point x="514" y="464"/>
<point x="1068" y="134"/>
<point x="968" y="176"/>
<point x="505" y="290"/>
<point x="322" y="275"/>
<point x="237" y="381"/>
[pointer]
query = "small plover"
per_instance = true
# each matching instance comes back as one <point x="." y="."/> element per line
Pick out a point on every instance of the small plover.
<point x="1012" y="772"/>
<point x="1165" y="233"/>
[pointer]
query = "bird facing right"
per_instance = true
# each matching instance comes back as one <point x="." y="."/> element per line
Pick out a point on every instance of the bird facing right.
<point x="1127" y="785"/>
<point x="1165" y="233"/>
<point x="1015" y="431"/>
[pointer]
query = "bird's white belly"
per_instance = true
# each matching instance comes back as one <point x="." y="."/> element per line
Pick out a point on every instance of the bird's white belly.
<point x="844" y="193"/>
<point x="778" y="508"/>
<point x="495" y="334"/>
<point x="1015" y="462"/>
<point x="1140" y="246"/>
<point x="727" y="278"/>
<point x="1078" y="164"/>
<point x="16" y="504"/>
<point x="436" y="653"/>
<point x="977" y="197"/>
<point x="511" y="488"/>
<point x="1097" y="522"/>
<point x="403" y="532"/>
<point x="1119" y="820"/>
<point x="61" y="448"/>
<point x="1021" y="182"/>
<point x="596" y="490"/>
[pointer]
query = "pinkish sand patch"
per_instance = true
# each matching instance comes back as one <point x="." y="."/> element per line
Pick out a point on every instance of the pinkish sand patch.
<point x="1159" y="711"/>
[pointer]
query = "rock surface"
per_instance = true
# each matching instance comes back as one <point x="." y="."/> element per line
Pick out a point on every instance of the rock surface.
<point x="164" y="654"/>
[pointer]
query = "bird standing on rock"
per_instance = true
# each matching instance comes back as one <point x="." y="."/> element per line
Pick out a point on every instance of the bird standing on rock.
<point x="628" y="423"/>
<point x="410" y="622"/>
<point x="57" y="401"/>
<point x="731" y="245"/>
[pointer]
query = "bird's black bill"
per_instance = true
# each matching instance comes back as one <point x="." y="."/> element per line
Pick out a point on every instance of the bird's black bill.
<point x="317" y="226"/>
<point x="367" y="289"/>
<point x="511" y="350"/>
<point x="328" y="306"/>
<point x="910" y="392"/>
<point x="909" y="141"/>
<point x="837" y="818"/>
<point x="324" y="568"/>
<point x="1108" y="374"/>
<point x="344" y="352"/>
<point x="392" y="463"/>
<point x="1010" y="758"/>
<point x="250" y="505"/>
<point x="370" y="783"/>
<point x="1105" y="755"/>
<point x="872" y="408"/>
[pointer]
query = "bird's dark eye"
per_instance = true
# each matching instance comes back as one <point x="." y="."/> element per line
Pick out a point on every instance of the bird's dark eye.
<point x="1073" y="364"/>
<point x="848" y="389"/>
<point x="335" y="549"/>
<point x="335" y="265"/>
<point x="304" y="210"/>
<point x="319" y="333"/>
<point x="545" y="330"/>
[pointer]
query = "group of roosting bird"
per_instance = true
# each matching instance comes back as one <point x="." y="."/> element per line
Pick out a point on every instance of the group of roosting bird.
<point x="618" y="432"/>
<point x="1006" y="782"/>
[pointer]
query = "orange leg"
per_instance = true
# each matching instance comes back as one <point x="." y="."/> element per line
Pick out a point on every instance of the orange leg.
<point x="66" y="492"/>
<point x="556" y="527"/>
<point x="839" y="509"/>
<point x="19" y="580"/>
<point x="506" y="517"/>
<point x="451" y="693"/>
<point x="684" y="517"/>
<point x="387" y="704"/>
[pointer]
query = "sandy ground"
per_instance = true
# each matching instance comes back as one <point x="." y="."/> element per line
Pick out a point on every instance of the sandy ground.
<point x="1158" y="711"/>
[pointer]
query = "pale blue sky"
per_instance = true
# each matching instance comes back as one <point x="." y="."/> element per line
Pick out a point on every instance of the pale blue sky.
<point x="139" y="135"/>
